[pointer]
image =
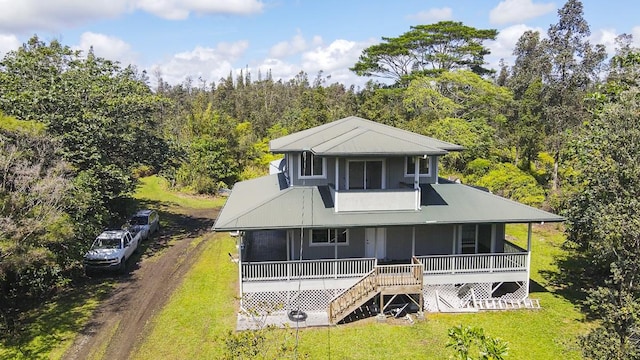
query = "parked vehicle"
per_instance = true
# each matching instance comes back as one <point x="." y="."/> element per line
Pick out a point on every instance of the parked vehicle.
<point x="145" y="222"/>
<point x="111" y="250"/>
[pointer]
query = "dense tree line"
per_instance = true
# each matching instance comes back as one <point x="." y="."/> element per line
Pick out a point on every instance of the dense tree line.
<point x="77" y="130"/>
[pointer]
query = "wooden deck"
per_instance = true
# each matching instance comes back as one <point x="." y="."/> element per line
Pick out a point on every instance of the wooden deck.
<point x="343" y="285"/>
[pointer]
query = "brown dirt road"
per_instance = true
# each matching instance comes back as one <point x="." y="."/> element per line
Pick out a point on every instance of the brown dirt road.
<point x="122" y="320"/>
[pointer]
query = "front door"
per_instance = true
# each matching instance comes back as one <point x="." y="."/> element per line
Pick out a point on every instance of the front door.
<point x="375" y="243"/>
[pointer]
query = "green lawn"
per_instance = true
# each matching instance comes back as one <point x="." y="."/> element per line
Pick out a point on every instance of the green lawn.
<point x="154" y="189"/>
<point x="199" y="314"/>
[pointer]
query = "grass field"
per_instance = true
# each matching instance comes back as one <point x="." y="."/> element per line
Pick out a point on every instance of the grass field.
<point x="194" y="323"/>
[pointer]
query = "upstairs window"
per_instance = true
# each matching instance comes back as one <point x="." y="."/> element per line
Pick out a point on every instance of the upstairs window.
<point x="311" y="166"/>
<point x="329" y="237"/>
<point x="410" y="166"/>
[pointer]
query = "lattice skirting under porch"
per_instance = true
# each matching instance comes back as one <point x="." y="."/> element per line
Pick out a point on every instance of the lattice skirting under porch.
<point x="461" y="297"/>
<point x="262" y="303"/>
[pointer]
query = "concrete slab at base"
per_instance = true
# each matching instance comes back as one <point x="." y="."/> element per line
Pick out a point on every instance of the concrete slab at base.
<point x="281" y="320"/>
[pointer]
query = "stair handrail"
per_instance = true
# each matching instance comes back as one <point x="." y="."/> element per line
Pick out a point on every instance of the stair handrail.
<point x="335" y="305"/>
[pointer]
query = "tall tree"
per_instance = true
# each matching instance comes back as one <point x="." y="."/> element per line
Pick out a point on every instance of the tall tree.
<point x="575" y="66"/>
<point x="427" y="49"/>
<point x="531" y="67"/>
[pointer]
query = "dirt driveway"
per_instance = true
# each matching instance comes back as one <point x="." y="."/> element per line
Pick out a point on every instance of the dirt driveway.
<point x="121" y="321"/>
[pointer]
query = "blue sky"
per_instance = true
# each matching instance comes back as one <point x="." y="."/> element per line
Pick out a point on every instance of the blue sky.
<point x="208" y="39"/>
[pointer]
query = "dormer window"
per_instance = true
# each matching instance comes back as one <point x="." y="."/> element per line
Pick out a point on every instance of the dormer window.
<point x="311" y="166"/>
<point x="423" y="167"/>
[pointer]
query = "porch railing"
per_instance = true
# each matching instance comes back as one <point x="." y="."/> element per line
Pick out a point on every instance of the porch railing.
<point x="399" y="275"/>
<point x="307" y="269"/>
<point x="473" y="263"/>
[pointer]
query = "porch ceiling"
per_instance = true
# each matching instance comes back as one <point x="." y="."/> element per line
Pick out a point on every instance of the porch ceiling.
<point x="264" y="203"/>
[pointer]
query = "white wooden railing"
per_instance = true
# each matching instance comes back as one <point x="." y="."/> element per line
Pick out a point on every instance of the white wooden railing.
<point x="306" y="269"/>
<point x="474" y="263"/>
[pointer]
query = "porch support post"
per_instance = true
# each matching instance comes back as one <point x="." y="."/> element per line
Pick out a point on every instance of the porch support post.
<point x="493" y="238"/>
<point x="240" y="242"/>
<point x="337" y="175"/>
<point x="434" y="163"/>
<point x="290" y="166"/>
<point x="528" y="257"/>
<point x="288" y="245"/>
<point x="453" y="240"/>
<point x="413" y="241"/>
<point x="416" y="173"/>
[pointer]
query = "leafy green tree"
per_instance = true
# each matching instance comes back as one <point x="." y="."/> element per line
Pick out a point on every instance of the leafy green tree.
<point x="602" y="225"/>
<point x="102" y="115"/>
<point x="427" y="49"/>
<point x="36" y="248"/>
<point x="475" y="136"/>
<point x="210" y="166"/>
<point x="509" y="181"/>
<point x="459" y="94"/>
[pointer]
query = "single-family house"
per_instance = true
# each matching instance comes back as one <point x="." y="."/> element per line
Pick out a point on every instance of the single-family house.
<point x="357" y="213"/>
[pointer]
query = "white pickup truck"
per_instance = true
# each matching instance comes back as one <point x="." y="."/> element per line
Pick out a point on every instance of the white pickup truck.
<point x="111" y="250"/>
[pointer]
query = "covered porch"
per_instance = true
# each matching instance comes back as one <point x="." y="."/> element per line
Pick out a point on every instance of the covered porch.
<point x="275" y="287"/>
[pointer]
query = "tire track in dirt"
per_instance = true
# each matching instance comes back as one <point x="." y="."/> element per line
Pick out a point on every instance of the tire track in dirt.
<point x="119" y="324"/>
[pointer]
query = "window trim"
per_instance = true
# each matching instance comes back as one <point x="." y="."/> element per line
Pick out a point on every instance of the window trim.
<point x="313" y="176"/>
<point x="406" y="166"/>
<point x="328" y="243"/>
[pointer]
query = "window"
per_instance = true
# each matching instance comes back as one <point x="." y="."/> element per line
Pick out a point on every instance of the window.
<point x="410" y="166"/>
<point x="329" y="236"/>
<point x="311" y="165"/>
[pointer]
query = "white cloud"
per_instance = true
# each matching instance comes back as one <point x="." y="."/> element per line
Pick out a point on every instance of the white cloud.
<point x="606" y="37"/>
<point x="502" y="47"/>
<point x="296" y="45"/>
<point x="207" y="63"/>
<point x="181" y="9"/>
<point x="514" y="11"/>
<point x="8" y="43"/>
<point x="432" y="15"/>
<point x="108" y="47"/>
<point x="28" y="15"/>
<point x="635" y="32"/>
<point x="22" y="16"/>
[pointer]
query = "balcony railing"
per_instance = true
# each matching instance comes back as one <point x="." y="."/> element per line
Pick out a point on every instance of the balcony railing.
<point x="473" y="263"/>
<point x="307" y="269"/>
<point x="376" y="200"/>
<point x="345" y="268"/>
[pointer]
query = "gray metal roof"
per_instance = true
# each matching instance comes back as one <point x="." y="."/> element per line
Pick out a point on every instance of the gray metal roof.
<point x="354" y="136"/>
<point x="264" y="203"/>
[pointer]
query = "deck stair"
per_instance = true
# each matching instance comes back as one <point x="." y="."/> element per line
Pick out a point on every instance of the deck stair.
<point x="506" y="304"/>
<point x="382" y="280"/>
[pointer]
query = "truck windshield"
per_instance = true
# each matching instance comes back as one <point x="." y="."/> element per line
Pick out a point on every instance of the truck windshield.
<point x="138" y="220"/>
<point x="107" y="243"/>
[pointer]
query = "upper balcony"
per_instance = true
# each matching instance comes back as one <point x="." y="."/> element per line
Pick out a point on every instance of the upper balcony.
<point x="376" y="200"/>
